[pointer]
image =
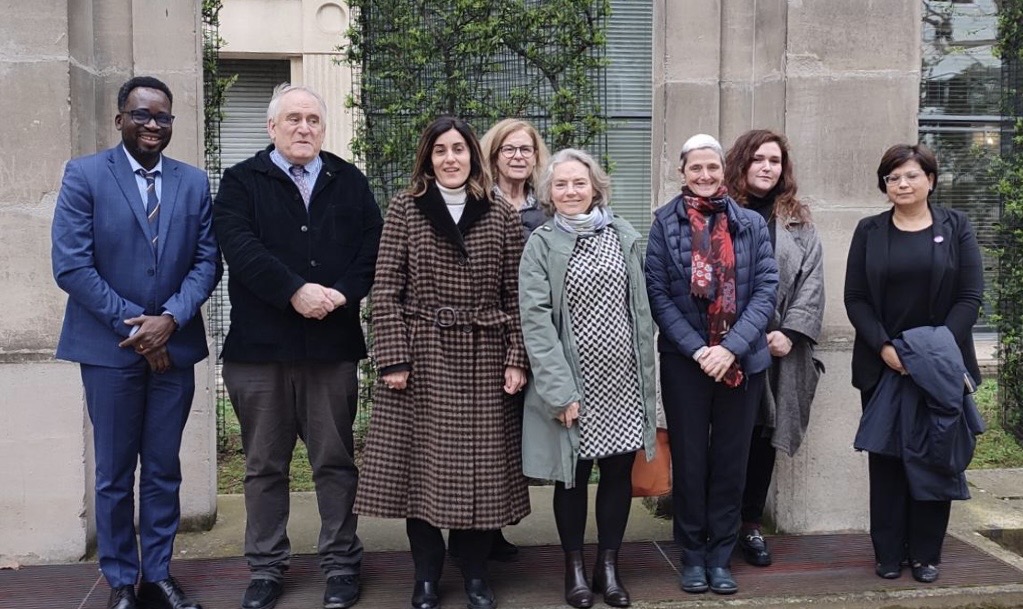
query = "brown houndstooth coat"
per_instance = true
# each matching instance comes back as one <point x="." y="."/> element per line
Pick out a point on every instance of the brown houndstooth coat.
<point x="447" y="449"/>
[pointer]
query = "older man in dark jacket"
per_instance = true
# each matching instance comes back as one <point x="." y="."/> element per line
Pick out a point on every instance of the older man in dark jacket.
<point x="299" y="229"/>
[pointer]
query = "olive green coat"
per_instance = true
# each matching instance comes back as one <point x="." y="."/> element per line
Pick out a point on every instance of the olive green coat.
<point x="549" y="450"/>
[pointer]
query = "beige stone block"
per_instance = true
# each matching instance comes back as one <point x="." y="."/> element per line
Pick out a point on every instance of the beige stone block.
<point x="39" y="33"/>
<point x="42" y="448"/>
<point x="262" y="26"/>
<point x="692" y="40"/>
<point x="806" y="495"/>
<point x="854" y="35"/>
<point x="199" y="452"/>
<point x="839" y="127"/>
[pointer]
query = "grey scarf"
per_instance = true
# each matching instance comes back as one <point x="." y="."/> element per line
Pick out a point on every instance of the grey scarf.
<point x="586" y="224"/>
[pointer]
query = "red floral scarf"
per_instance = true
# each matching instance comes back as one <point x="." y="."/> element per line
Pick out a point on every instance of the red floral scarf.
<point x="714" y="267"/>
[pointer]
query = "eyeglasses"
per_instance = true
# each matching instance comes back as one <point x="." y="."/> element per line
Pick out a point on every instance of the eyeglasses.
<point x="910" y="176"/>
<point x="142" y="117"/>
<point x="509" y="151"/>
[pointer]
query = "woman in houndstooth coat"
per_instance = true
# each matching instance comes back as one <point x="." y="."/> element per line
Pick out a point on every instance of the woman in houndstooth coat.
<point x="444" y="442"/>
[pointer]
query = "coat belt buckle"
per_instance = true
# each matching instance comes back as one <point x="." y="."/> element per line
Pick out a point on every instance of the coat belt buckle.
<point x="445" y="317"/>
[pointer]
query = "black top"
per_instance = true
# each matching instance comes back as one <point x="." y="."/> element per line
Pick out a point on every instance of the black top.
<point x="765" y="207"/>
<point x="908" y="282"/>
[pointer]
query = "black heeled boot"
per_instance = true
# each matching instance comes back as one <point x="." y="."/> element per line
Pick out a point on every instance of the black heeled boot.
<point x="605" y="579"/>
<point x="577" y="590"/>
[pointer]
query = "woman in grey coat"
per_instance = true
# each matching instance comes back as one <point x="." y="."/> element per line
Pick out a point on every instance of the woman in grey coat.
<point x="589" y="336"/>
<point x="760" y="176"/>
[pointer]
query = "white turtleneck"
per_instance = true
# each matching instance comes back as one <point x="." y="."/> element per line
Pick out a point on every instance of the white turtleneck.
<point x="454" y="198"/>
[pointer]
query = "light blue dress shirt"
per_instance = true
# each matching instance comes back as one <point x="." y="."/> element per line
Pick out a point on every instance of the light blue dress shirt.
<point x="141" y="182"/>
<point x="312" y="168"/>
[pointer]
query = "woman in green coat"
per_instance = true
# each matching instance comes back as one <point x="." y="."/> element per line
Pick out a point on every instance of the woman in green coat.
<point x="589" y="336"/>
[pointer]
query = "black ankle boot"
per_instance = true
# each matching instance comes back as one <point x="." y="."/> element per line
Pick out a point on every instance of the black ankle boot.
<point x="605" y="579"/>
<point x="577" y="590"/>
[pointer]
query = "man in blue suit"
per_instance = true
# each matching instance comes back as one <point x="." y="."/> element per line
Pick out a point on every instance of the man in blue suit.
<point x="133" y="247"/>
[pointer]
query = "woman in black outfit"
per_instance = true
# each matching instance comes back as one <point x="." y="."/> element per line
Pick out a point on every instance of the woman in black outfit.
<point x="915" y="265"/>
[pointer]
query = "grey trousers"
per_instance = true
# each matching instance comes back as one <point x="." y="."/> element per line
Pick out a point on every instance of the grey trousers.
<point x="276" y="404"/>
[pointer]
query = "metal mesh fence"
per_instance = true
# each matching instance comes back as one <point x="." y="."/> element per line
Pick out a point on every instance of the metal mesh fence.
<point x="1010" y="271"/>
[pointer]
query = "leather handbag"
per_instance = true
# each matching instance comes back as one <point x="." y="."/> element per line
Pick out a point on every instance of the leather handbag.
<point x="653" y="478"/>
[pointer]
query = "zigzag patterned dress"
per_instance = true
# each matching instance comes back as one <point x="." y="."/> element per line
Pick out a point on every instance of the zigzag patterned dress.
<point x="597" y="290"/>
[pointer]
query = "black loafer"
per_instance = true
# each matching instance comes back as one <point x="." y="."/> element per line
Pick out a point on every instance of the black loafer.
<point x="721" y="581"/>
<point x="694" y="579"/>
<point x="342" y="591"/>
<point x="754" y="548"/>
<point x="925" y="574"/>
<point x="262" y="594"/>
<point x="888" y="571"/>
<point x="479" y="595"/>
<point x="164" y="594"/>
<point x="426" y="595"/>
<point x="122" y="598"/>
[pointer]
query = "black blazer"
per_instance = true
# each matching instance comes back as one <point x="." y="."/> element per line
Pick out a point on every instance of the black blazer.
<point x="957" y="286"/>
<point x="272" y="246"/>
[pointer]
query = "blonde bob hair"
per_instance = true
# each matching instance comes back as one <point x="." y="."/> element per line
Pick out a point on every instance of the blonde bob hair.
<point x="494" y="138"/>
<point x="599" y="179"/>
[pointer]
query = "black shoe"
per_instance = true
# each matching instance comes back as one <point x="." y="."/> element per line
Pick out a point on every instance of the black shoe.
<point x="426" y="595"/>
<point x="577" y="589"/>
<point x="122" y="598"/>
<point x="925" y="574"/>
<point x="694" y="579"/>
<point x="503" y="550"/>
<point x="888" y="571"/>
<point x="479" y="595"/>
<point x="342" y="592"/>
<point x="606" y="582"/>
<point x="721" y="581"/>
<point x="754" y="547"/>
<point x="165" y="594"/>
<point x="262" y="593"/>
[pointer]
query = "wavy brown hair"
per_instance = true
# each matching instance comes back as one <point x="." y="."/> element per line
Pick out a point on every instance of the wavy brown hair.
<point x="786" y="205"/>
<point x="478" y="184"/>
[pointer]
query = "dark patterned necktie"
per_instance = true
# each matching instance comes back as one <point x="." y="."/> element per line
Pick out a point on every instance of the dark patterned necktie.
<point x="152" y="203"/>
<point x="298" y="175"/>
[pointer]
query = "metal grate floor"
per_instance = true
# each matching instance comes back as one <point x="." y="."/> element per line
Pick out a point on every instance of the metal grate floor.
<point x="807" y="565"/>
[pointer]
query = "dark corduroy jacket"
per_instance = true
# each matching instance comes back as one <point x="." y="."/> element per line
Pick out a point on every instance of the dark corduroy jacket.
<point x="682" y="322"/>
<point x="273" y="246"/>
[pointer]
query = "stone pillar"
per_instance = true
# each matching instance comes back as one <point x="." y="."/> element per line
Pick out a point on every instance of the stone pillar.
<point x="842" y="82"/>
<point x="63" y="65"/>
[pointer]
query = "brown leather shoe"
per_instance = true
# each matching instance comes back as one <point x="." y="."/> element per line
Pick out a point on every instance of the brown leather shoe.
<point x="577" y="589"/>
<point x="606" y="582"/>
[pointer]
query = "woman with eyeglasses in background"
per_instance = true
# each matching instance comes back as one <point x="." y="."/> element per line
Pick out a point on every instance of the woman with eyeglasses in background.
<point x="915" y="265"/>
<point x="516" y="155"/>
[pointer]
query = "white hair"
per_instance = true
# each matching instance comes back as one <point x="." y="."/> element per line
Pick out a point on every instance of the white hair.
<point x="283" y="89"/>
<point x="701" y="141"/>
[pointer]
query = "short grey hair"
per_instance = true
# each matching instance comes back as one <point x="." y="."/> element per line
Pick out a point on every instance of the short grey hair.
<point x="701" y="141"/>
<point x="283" y="89"/>
<point x="598" y="178"/>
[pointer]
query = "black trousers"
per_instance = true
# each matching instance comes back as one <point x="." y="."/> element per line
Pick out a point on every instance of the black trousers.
<point x="614" y="499"/>
<point x="900" y="526"/>
<point x="759" y="469"/>
<point x="709" y="425"/>
<point x="427" y="544"/>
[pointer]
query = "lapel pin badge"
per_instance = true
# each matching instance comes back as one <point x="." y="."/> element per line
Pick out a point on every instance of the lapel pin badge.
<point x="938" y="238"/>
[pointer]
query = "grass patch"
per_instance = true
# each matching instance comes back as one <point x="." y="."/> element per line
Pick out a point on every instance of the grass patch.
<point x="231" y="461"/>
<point x="996" y="447"/>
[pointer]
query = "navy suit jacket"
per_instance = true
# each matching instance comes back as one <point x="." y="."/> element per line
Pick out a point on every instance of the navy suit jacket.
<point x="103" y="258"/>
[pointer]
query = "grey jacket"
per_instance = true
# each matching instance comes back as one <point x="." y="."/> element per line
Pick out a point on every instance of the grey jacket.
<point x="549" y="450"/>
<point x="793" y="378"/>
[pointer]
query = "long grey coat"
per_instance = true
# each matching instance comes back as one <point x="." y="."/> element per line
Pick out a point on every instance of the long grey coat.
<point x="793" y="378"/>
<point x="549" y="450"/>
<point x="447" y="449"/>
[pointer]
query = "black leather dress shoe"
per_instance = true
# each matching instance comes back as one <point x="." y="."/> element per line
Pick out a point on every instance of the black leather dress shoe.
<point x="342" y="591"/>
<point x="925" y="574"/>
<point x="888" y="571"/>
<point x="754" y="547"/>
<point x="694" y="579"/>
<point x="721" y="581"/>
<point x="479" y="595"/>
<point x="122" y="598"/>
<point x="426" y="595"/>
<point x="262" y="594"/>
<point x="165" y="594"/>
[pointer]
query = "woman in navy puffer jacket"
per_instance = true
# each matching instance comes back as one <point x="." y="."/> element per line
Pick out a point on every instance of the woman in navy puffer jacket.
<point x="712" y="277"/>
